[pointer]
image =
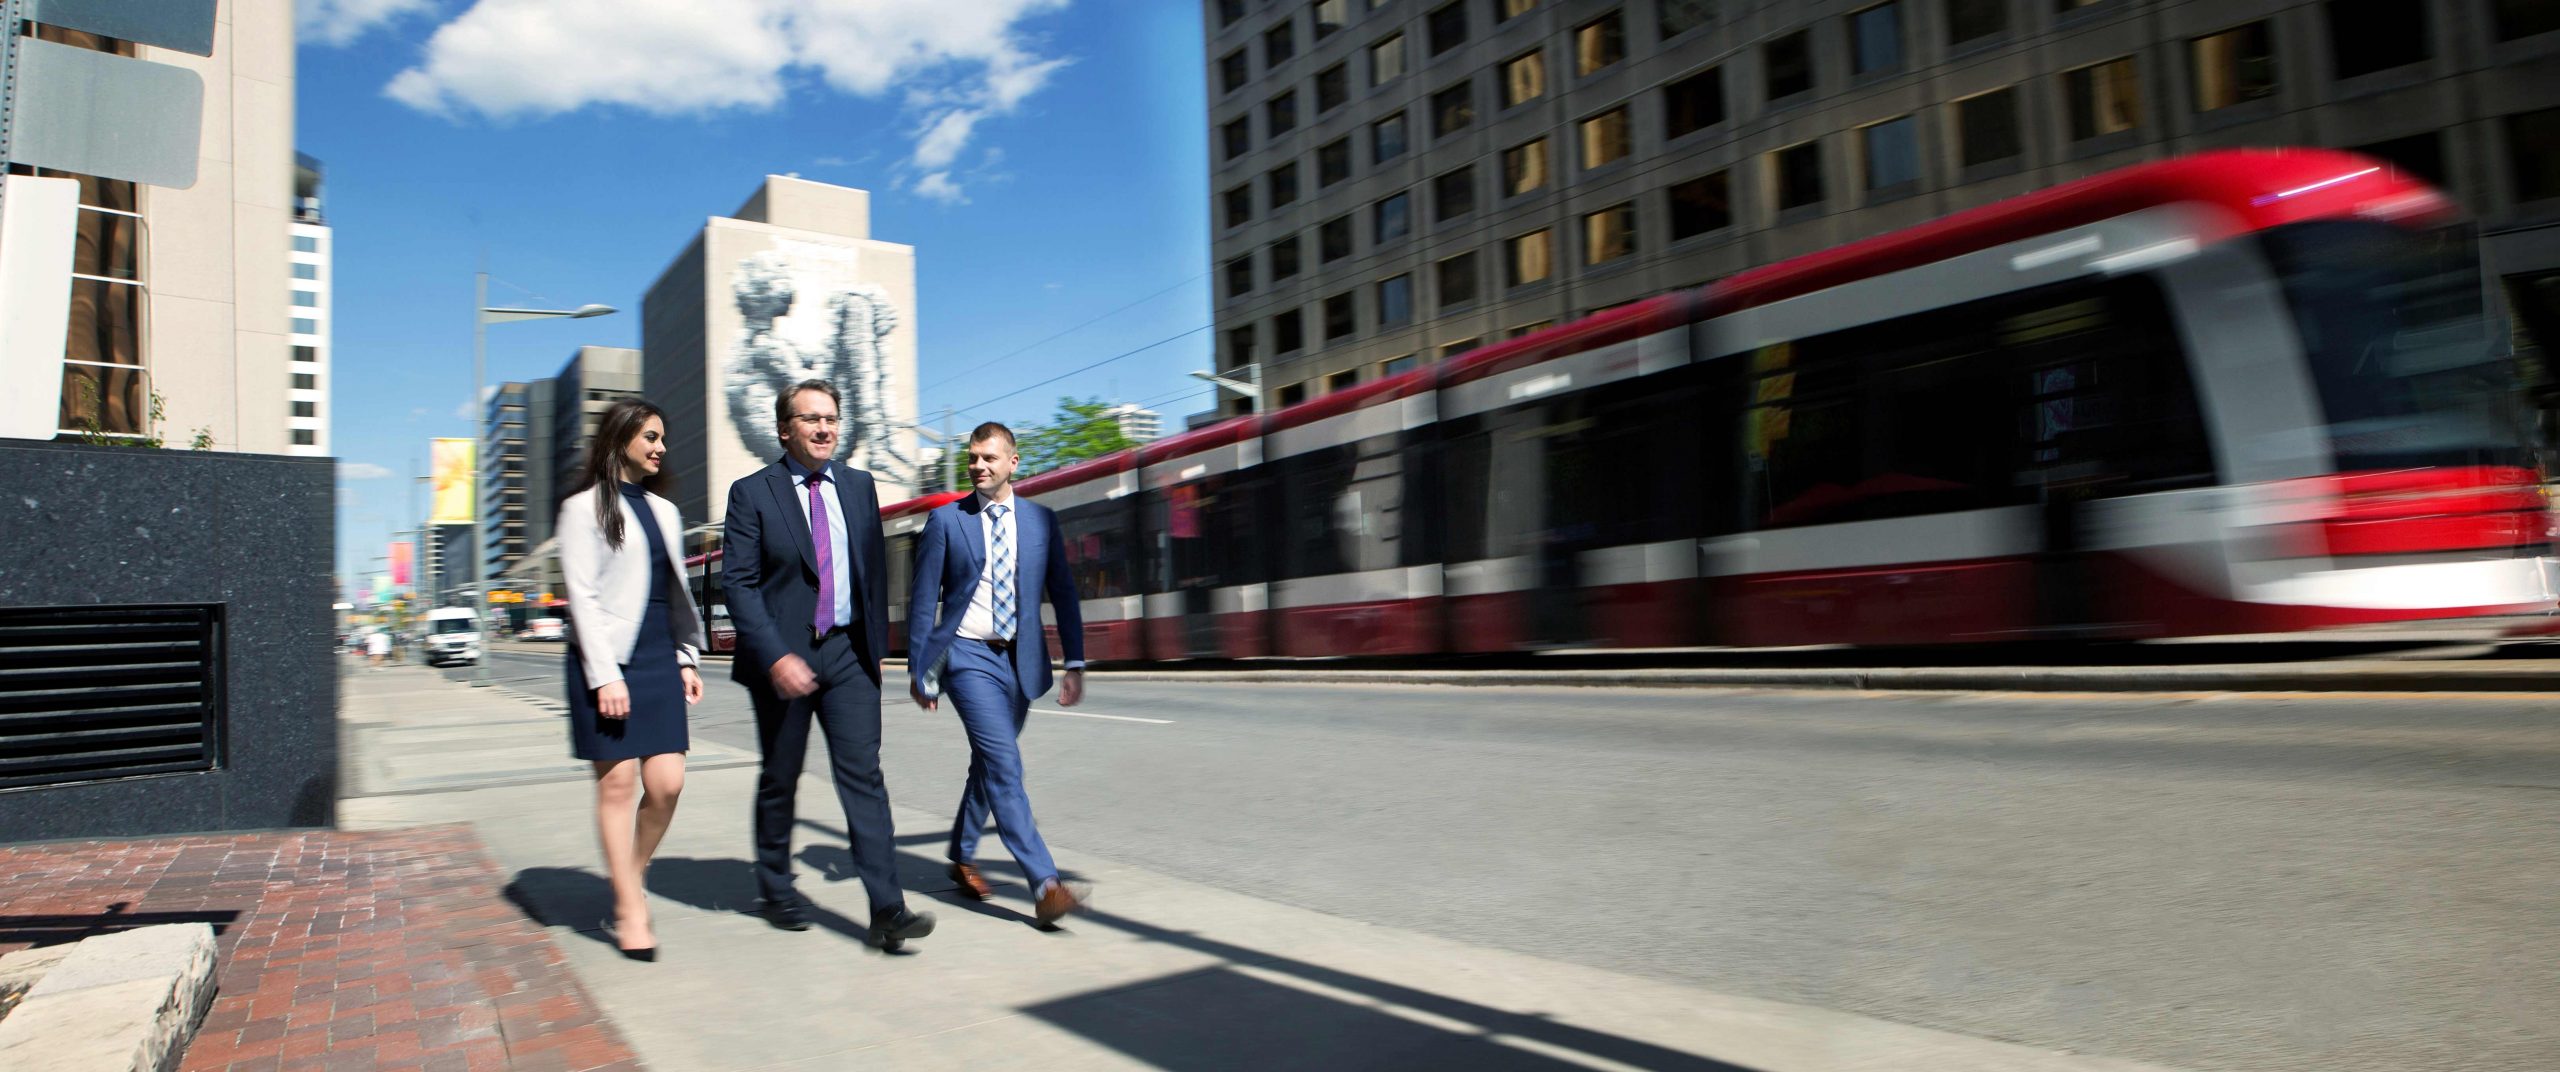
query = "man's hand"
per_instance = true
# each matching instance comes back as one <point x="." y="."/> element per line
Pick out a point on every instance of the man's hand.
<point x="692" y="685"/>
<point x="793" y="678"/>
<point x="1071" y="691"/>
<point x="613" y="700"/>
<point x="916" y="689"/>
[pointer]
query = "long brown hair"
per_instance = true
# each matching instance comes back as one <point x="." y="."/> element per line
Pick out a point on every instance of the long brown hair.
<point x="606" y="468"/>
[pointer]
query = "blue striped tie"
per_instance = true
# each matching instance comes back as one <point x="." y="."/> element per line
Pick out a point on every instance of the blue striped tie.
<point x="1001" y="564"/>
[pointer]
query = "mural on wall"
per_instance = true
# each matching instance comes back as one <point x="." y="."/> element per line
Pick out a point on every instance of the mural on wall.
<point x="803" y="317"/>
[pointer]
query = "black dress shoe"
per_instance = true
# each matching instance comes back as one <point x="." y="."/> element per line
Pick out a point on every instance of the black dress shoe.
<point x="784" y="915"/>
<point x="644" y="954"/>
<point x="892" y="927"/>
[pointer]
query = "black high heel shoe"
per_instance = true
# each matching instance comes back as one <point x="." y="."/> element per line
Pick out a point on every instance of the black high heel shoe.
<point x="644" y="954"/>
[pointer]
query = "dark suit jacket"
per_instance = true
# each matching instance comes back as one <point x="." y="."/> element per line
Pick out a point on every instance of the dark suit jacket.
<point x="950" y="559"/>
<point x="769" y="568"/>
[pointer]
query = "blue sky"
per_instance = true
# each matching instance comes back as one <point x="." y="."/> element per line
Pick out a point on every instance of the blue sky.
<point x="1046" y="158"/>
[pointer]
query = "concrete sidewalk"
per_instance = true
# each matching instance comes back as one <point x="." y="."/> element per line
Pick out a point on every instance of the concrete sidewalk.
<point x="1165" y="974"/>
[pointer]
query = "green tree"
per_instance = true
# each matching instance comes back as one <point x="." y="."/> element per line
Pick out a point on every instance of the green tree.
<point x="1079" y="431"/>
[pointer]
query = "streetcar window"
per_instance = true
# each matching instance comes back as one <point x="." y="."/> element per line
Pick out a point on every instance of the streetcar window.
<point x="1605" y="467"/>
<point x="1207" y="533"/>
<point x="1098" y="551"/>
<point x="1343" y="508"/>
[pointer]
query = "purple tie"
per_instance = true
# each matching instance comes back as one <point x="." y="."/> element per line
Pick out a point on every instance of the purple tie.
<point x="826" y="617"/>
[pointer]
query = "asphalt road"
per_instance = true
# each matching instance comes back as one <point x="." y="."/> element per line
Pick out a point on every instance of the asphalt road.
<point x="2226" y="882"/>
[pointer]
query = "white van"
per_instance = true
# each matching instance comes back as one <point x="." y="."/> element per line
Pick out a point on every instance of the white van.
<point x="453" y="636"/>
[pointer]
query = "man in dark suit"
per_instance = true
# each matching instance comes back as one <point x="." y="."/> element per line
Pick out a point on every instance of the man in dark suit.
<point x="806" y="575"/>
<point x="974" y="631"/>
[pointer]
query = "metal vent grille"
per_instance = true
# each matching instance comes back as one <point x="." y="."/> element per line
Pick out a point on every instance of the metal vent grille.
<point x="108" y="692"/>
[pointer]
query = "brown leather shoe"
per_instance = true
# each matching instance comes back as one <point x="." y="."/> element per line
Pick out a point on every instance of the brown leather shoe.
<point x="972" y="884"/>
<point x="1059" y="899"/>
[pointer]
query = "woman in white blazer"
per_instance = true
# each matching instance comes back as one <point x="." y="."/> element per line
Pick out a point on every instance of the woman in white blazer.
<point x="633" y="641"/>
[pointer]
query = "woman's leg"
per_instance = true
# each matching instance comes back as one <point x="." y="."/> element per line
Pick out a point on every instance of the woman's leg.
<point x="617" y="796"/>
<point x="662" y="781"/>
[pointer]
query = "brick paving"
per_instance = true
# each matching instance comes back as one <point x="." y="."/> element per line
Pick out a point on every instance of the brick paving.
<point x="390" y="950"/>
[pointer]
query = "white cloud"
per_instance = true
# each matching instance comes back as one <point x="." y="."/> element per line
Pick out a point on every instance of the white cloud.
<point x="341" y="22"/>
<point x="954" y="64"/>
<point x="361" y="471"/>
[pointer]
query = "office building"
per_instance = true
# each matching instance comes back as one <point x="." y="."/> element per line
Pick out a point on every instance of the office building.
<point x="590" y="383"/>
<point x="506" y="534"/>
<point x="1397" y="181"/>
<point x="307" y="391"/>
<point x="791" y="286"/>
<point x="1141" y="425"/>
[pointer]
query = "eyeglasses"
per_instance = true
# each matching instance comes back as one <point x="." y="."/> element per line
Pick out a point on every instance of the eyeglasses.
<point x="814" y="420"/>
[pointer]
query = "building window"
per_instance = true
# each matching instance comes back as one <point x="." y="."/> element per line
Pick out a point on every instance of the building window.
<point x="1676" y="17"/>
<point x="1987" y="127"/>
<point x="1788" y="62"/>
<point x="1233" y="71"/>
<point x="1531" y="259"/>
<point x="1237" y="136"/>
<point x="1507" y="10"/>
<point x="1229" y="11"/>
<point x="304" y="381"/>
<point x="1450" y="350"/>
<point x="1240" y="276"/>
<point x="2376" y="35"/>
<point x="2419" y="156"/>
<point x="2525" y="18"/>
<point x="1343" y="380"/>
<point x="306" y="409"/>
<point x="1524" y="78"/>
<point x="1386" y="60"/>
<point x="1448" y="26"/>
<point x="1292" y="395"/>
<point x="1341" y="317"/>
<point x="1969" y="20"/>
<point x="1329" y="17"/>
<point x="1239" y="204"/>
<point x="1604" y="138"/>
<point x="1278" y="44"/>
<point x="1283" y="184"/>
<point x="1398" y="366"/>
<point x="306" y="299"/>
<point x="303" y="326"/>
<point x="1333" y="239"/>
<point x="1599" y="43"/>
<point x="2533" y="154"/>
<point x="2238" y="64"/>
<point x="1528" y="329"/>
<point x="1284" y="259"/>
<point x="1394" y="218"/>
<point x="1524" y="167"/>
<point x="305" y="437"/>
<point x="1608" y="234"/>
<point x="1333" y="87"/>
<point x="1288" y="333"/>
<point x="1333" y="161"/>
<point x="303" y="243"/>
<point x="1452" y="109"/>
<point x="1280" y="116"/>
<point x="1875" y="39"/>
<point x="1453" y="194"/>
<point x="1693" y="104"/>
<point x="1395" y="300"/>
<point x="1799" y="175"/>
<point x="1892" y="153"/>
<point x="2104" y="98"/>
<point x="1386" y="139"/>
<point x="1239" y="347"/>
<point x="309" y="355"/>
<point x="1701" y="205"/>
<point x="1457" y="277"/>
<point x="303" y="270"/>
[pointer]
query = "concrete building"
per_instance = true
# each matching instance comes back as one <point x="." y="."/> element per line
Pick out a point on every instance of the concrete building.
<point x="591" y="382"/>
<point x="1396" y="181"/>
<point x="194" y="321"/>
<point x="506" y="532"/>
<point x="1138" y="423"/>
<point x="791" y="286"/>
<point x="308" y="392"/>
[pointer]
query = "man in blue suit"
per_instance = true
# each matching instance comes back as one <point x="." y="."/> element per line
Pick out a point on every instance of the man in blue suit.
<point x="974" y="633"/>
<point x="806" y="572"/>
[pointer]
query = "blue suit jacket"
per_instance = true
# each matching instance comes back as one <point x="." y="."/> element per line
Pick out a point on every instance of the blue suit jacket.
<point x="769" y="568"/>
<point x="950" y="559"/>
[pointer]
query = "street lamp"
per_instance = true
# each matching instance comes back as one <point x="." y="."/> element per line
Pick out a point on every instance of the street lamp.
<point x="1250" y="386"/>
<point x="482" y="315"/>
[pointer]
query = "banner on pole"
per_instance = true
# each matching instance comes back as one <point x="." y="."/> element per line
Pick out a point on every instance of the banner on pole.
<point x="454" y="461"/>
<point x="403" y="555"/>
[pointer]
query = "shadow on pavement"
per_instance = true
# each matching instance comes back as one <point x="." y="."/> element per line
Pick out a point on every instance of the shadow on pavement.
<point x="47" y="930"/>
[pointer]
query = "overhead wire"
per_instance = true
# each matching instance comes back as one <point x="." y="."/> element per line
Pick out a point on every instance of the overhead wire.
<point x="1009" y="355"/>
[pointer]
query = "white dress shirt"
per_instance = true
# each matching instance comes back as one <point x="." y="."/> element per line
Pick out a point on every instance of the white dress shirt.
<point x="839" y="542"/>
<point x="980" y="621"/>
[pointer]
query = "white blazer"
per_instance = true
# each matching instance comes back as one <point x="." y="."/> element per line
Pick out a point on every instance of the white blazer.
<point x="609" y="589"/>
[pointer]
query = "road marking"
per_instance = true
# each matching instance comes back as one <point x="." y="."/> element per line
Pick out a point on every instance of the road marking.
<point x="1114" y="718"/>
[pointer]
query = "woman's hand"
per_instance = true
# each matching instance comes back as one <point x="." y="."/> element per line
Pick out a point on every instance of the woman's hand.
<point x="613" y="700"/>
<point x="692" y="685"/>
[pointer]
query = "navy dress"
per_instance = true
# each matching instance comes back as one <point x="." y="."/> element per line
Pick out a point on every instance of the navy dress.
<point x="657" y="721"/>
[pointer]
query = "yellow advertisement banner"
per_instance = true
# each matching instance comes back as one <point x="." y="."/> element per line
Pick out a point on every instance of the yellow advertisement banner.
<point x="454" y="463"/>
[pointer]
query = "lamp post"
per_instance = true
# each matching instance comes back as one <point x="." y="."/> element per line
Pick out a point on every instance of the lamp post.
<point x="481" y="317"/>
<point x="1250" y="386"/>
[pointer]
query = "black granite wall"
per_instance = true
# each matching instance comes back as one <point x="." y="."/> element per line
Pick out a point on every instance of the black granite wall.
<point x="85" y="526"/>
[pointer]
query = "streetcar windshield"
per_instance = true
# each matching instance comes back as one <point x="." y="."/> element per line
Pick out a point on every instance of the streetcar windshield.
<point x="2408" y="367"/>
